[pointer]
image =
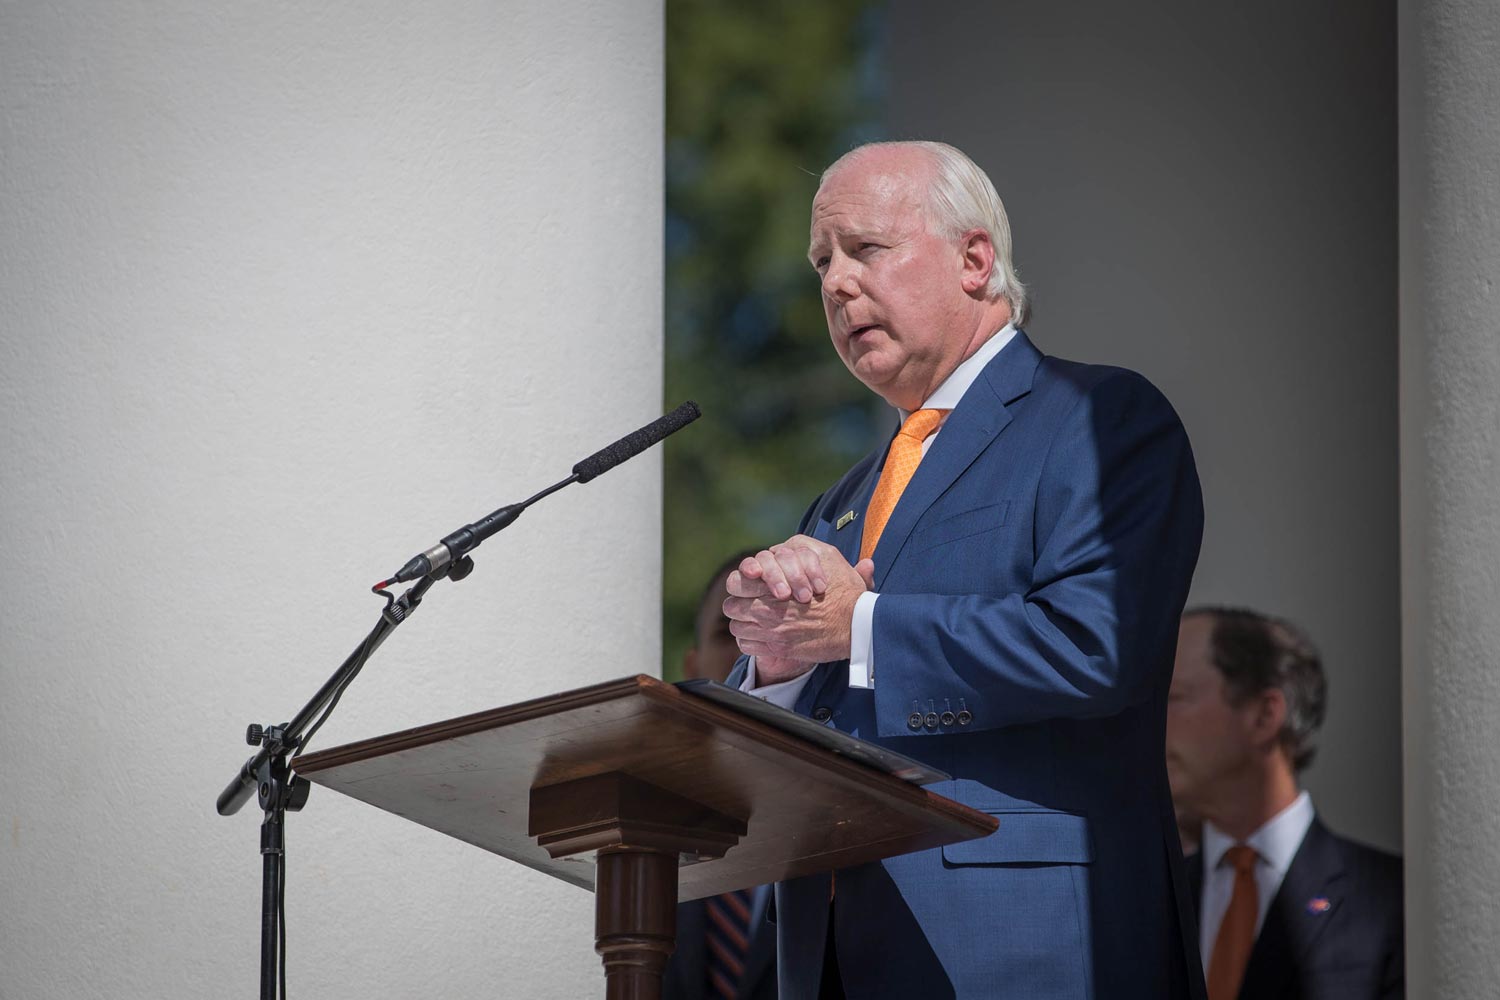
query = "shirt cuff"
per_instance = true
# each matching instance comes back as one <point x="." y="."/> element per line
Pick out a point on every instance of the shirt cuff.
<point x="862" y="642"/>
<point x="783" y="694"/>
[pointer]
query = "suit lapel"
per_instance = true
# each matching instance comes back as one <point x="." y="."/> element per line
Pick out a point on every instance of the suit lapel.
<point x="969" y="429"/>
<point x="1307" y="900"/>
<point x="847" y="539"/>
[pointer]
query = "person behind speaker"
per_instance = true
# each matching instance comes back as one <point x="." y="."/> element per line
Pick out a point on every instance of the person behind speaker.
<point x="726" y="948"/>
<point x="1287" y="908"/>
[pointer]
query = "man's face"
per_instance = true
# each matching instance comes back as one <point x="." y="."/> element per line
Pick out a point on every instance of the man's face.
<point x="1209" y="741"/>
<point x="892" y="291"/>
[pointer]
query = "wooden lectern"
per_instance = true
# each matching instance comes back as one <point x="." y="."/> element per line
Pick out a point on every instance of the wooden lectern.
<point x="639" y="791"/>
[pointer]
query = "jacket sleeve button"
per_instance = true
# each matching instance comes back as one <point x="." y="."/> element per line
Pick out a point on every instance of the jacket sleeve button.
<point x="914" y="721"/>
<point x="947" y="719"/>
<point x="822" y="713"/>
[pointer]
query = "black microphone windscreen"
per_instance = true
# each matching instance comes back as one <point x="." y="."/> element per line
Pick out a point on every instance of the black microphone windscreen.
<point x="634" y="443"/>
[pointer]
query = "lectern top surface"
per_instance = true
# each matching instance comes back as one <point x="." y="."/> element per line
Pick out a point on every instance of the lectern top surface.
<point x="807" y="809"/>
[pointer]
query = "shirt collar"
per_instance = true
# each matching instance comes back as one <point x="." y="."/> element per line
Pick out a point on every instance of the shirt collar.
<point x="947" y="395"/>
<point x="1276" y="841"/>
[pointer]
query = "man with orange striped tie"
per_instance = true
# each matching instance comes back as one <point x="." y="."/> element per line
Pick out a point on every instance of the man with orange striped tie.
<point x="996" y="592"/>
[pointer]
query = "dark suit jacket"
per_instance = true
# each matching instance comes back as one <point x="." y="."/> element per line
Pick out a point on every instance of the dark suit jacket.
<point x="1352" y="948"/>
<point x="1031" y="579"/>
<point x="686" y="976"/>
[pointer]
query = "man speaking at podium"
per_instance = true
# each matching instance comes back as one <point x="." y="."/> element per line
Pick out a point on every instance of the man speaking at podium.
<point x="996" y="593"/>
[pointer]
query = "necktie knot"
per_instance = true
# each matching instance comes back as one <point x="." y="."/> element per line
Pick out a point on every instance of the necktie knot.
<point x="1242" y="858"/>
<point x="921" y="424"/>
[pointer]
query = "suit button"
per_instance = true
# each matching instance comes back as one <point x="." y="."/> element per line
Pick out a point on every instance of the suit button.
<point x="965" y="717"/>
<point x="947" y="719"/>
<point x="914" y="721"/>
<point x="822" y="713"/>
<point x="931" y="721"/>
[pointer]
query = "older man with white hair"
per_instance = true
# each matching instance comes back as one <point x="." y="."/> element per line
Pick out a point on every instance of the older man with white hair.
<point x="997" y="593"/>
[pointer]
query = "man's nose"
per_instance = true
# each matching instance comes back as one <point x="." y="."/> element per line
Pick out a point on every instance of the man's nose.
<point x="839" y="283"/>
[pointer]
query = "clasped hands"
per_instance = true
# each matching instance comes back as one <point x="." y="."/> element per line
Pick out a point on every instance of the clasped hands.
<point x="791" y="606"/>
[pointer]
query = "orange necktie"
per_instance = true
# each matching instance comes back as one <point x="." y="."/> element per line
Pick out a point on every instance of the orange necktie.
<point x="1237" y="931"/>
<point x="900" y="465"/>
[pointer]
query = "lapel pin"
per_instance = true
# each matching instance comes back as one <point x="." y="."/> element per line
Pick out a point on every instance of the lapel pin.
<point x="844" y="521"/>
<point x="1318" y="904"/>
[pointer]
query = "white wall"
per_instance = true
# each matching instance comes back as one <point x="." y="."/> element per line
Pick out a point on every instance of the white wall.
<point x="287" y="291"/>
<point x="1207" y="193"/>
<point x="1450" y="481"/>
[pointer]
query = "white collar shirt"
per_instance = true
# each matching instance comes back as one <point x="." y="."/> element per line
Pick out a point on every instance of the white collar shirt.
<point x="1275" y="845"/>
<point x="947" y="395"/>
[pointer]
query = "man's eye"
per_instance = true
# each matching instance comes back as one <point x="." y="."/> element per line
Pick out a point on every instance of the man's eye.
<point x="820" y="263"/>
<point x="866" y="247"/>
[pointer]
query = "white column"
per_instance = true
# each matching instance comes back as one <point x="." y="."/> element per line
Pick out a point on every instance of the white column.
<point x="1450" y="492"/>
<point x="287" y="292"/>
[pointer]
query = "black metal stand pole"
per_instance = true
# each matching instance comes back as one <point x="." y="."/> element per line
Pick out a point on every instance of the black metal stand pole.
<point x="268" y="774"/>
<point x="271" y="846"/>
<point x="280" y="791"/>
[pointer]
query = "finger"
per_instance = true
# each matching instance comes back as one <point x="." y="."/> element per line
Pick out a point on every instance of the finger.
<point x="738" y="609"/>
<point x="751" y="639"/>
<point x="812" y="566"/>
<point x="822" y="560"/>
<point x="866" y="570"/>
<point x="792" y="564"/>
<point x="774" y="575"/>
<point x="750" y="567"/>
<point x="739" y="585"/>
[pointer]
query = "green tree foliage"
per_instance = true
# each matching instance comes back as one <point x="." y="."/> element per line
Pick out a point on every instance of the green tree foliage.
<point x="760" y="98"/>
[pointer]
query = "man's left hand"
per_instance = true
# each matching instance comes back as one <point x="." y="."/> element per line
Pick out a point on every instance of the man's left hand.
<point x="811" y="622"/>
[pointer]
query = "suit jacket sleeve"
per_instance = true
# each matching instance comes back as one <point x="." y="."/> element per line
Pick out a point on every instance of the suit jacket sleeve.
<point x="1116" y="525"/>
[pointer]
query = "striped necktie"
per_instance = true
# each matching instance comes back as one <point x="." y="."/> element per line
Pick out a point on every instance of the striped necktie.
<point x="728" y="941"/>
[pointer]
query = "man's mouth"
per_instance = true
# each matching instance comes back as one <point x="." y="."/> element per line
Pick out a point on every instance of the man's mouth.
<point x="856" y="331"/>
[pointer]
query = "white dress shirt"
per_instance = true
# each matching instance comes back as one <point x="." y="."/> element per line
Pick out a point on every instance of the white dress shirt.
<point x="1275" y="845"/>
<point x="862" y="626"/>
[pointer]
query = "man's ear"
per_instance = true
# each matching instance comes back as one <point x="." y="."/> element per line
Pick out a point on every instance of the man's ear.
<point x="1270" y="716"/>
<point x="978" y="261"/>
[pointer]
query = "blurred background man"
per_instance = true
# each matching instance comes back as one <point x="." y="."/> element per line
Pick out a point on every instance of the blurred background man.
<point x="714" y="650"/>
<point x="1287" y="909"/>
<point x="726" y="949"/>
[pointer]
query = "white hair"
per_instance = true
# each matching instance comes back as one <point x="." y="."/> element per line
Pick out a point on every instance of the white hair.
<point x="961" y="198"/>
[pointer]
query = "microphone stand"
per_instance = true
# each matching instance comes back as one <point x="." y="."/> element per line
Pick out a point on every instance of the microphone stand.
<point x="268" y="772"/>
<point x="281" y="790"/>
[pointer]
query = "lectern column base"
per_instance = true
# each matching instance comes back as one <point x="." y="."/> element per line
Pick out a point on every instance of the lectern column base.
<point x="638" y="834"/>
<point x="635" y="919"/>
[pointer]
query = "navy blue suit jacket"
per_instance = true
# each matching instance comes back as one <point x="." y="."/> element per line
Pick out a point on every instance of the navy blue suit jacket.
<point x="1334" y="931"/>
<point x="1031" y="580"/>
